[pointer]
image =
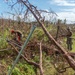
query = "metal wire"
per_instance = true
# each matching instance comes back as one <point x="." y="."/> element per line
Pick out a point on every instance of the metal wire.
<point x="23" y="47"/>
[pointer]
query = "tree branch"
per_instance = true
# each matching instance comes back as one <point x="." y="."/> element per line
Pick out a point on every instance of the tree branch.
<point x="63" y="51"/>
<point x="28" y="61"/>
<point x="41" y="68"/>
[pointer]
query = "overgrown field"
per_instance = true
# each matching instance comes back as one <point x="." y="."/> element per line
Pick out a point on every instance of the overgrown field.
<point x="8" y="56"/>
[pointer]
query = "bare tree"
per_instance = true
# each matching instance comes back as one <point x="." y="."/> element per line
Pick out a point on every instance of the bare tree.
<point x="39" y="19"/>
<point x="67" y="56"/>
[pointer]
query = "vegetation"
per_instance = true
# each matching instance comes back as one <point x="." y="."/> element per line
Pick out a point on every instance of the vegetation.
<point x="41" y="56"/>
<point x="22" y="67"/>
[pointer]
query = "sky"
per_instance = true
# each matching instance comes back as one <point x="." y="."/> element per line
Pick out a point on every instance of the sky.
<point x="65" y="9"/>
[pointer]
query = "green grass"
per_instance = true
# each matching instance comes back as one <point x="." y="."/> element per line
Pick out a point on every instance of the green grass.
<point x="23" y="68"/>
<point x="3" y="37"/>
<point x="73" y="40"/>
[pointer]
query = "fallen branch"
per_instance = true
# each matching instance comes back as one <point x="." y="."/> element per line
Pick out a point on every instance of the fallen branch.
<point x="37" y="65"/>
<point x="28" y="61"/>
<point x="63" y="51"/>
<point x="41" y="68"/>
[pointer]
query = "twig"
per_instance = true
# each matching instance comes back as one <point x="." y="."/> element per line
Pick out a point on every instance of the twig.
<point x="63" y="51"/>
<point x="41" y="68"/>
<point x="28" y="61"/>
